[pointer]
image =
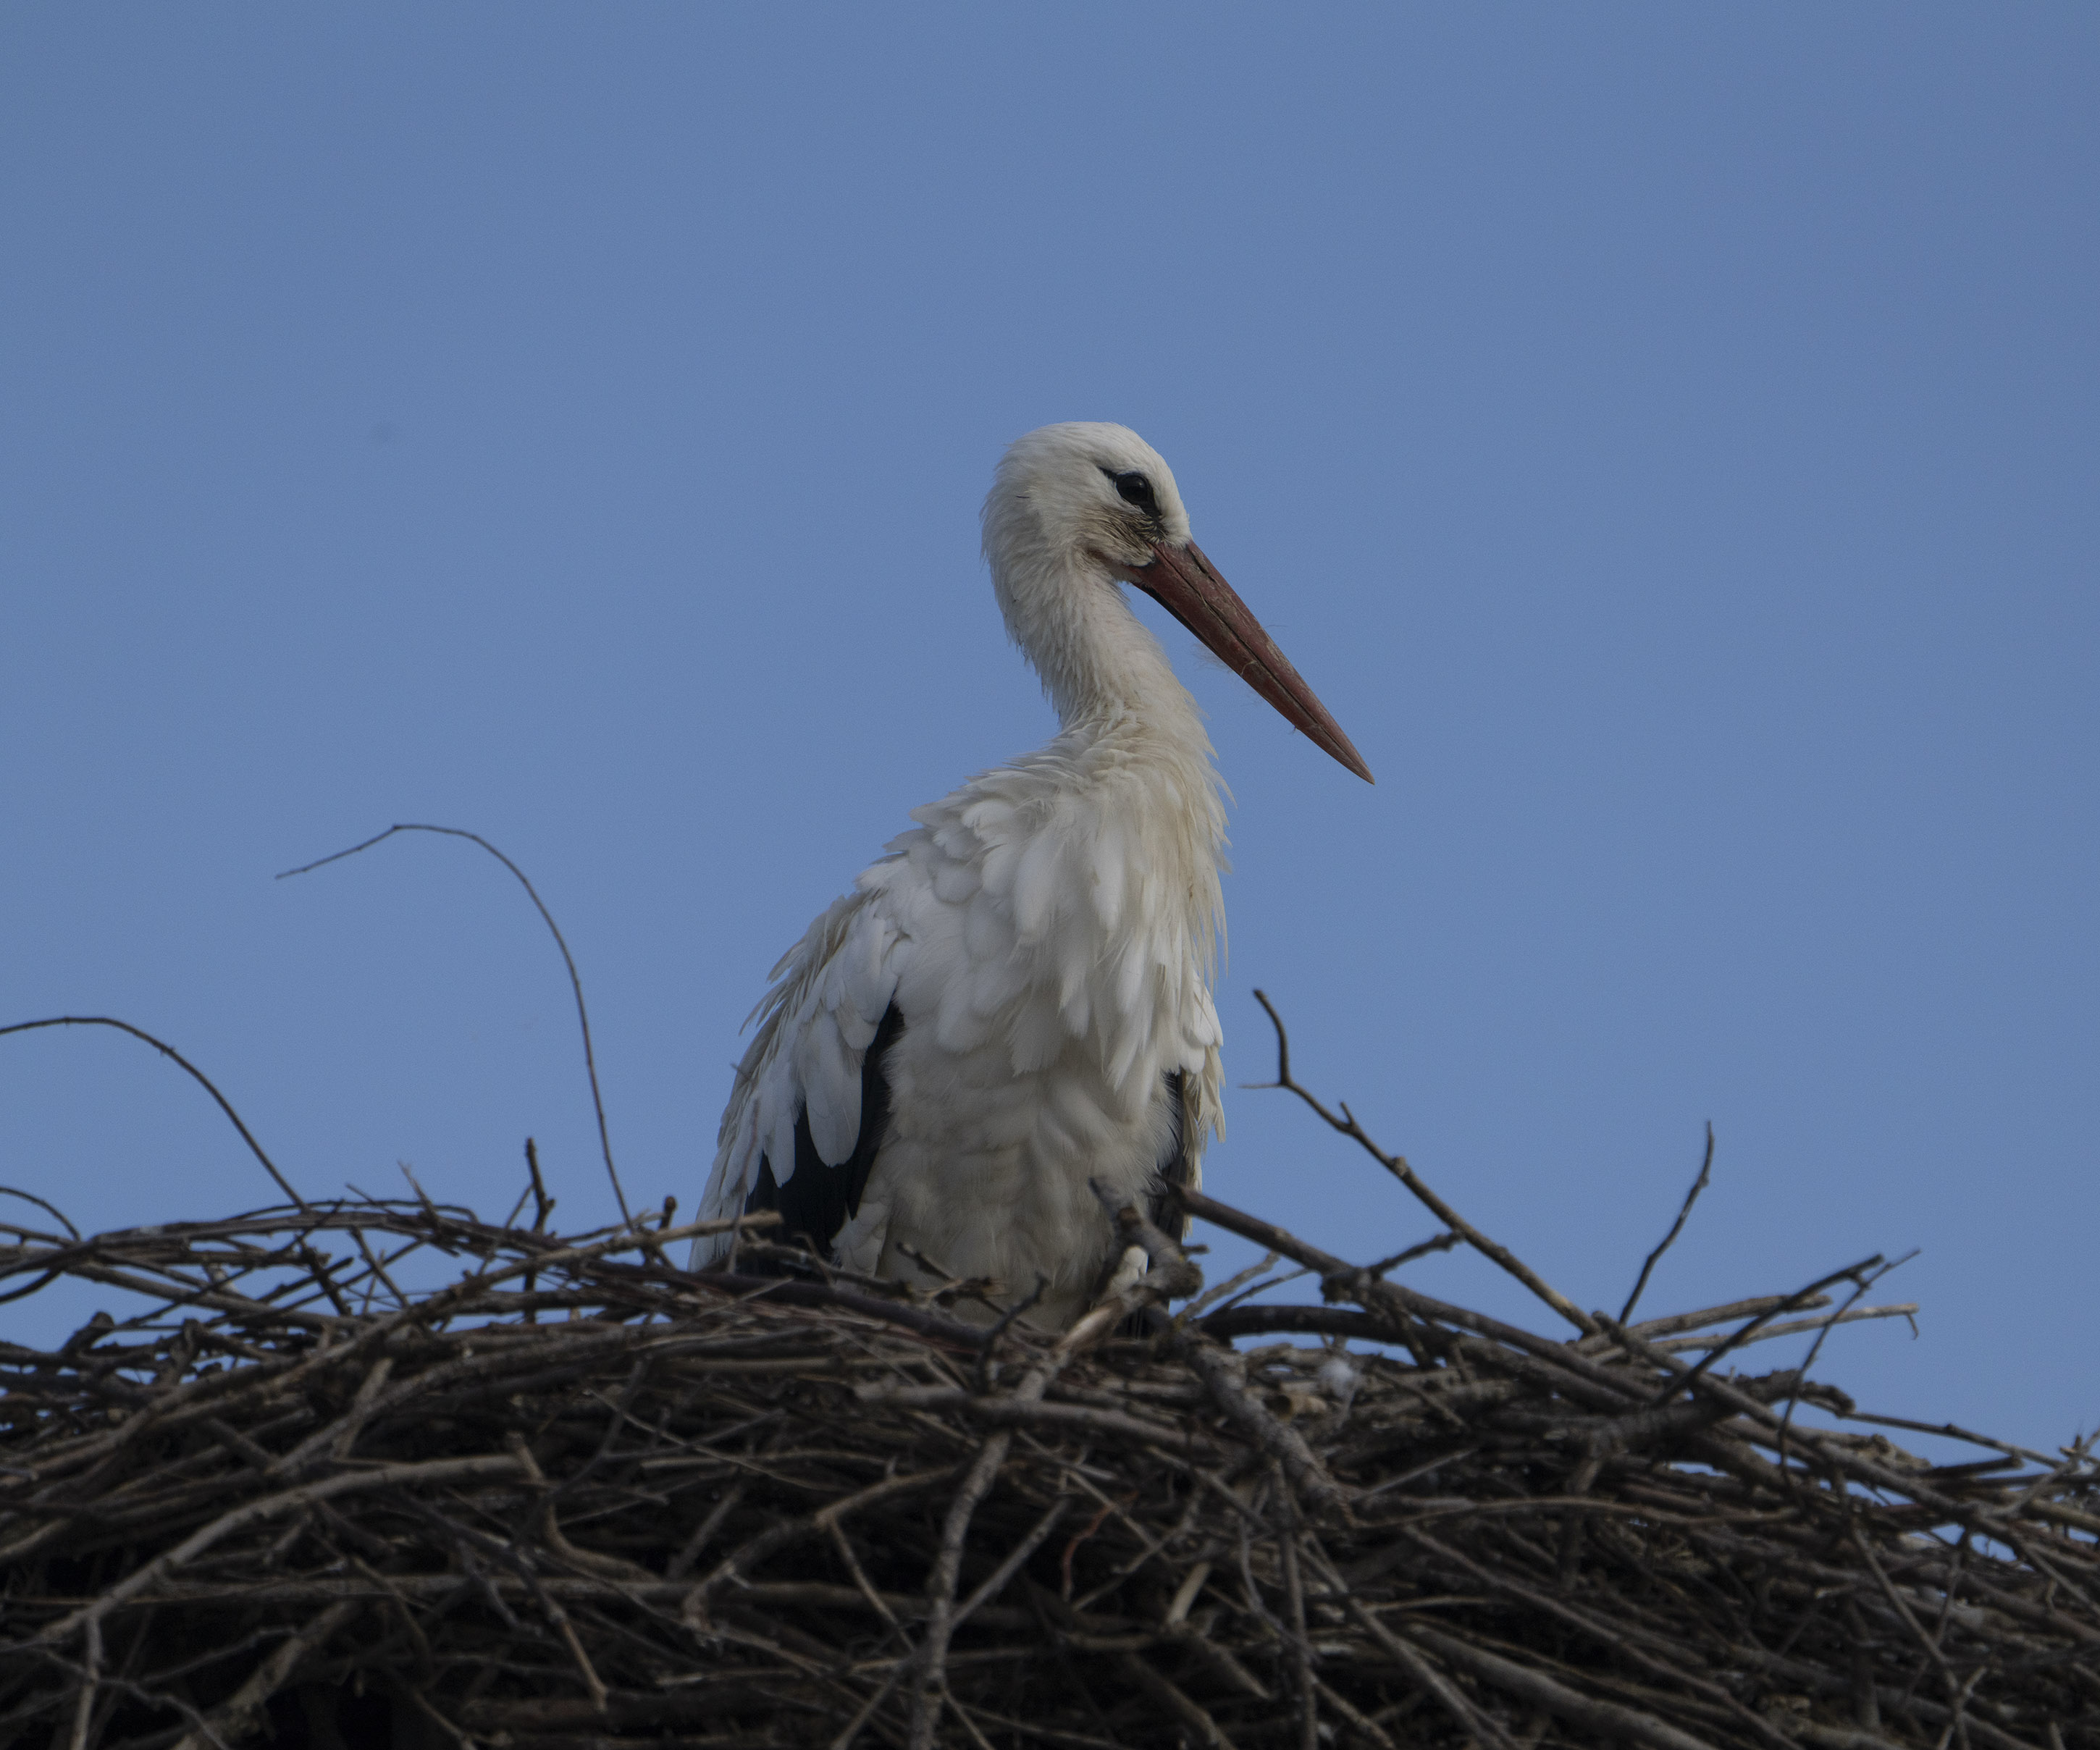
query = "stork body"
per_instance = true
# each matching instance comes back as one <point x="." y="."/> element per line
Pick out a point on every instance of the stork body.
<point x="1016" y="998"/>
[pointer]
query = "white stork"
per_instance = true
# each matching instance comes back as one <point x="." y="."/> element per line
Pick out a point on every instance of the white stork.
<point x="1017" y="998"/>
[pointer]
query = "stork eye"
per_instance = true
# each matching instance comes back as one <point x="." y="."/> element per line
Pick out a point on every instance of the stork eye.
<point x="1135" y="488"/>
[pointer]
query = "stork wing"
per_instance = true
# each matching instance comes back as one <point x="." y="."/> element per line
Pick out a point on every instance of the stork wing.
<point x="811" y="1106"/>
<point x="819" y="1196"/>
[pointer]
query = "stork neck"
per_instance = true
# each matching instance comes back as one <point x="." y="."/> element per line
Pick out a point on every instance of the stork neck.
<point x="1103" y="671"/>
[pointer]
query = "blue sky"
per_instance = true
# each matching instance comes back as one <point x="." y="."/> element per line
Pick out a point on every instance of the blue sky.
<point x="1665" y="435"/>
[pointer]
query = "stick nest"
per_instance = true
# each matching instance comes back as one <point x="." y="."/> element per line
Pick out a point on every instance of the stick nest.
<point x="582" y="1498"/>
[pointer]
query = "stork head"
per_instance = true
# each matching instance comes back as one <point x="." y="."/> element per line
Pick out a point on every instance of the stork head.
<point x="1077" y="507"/>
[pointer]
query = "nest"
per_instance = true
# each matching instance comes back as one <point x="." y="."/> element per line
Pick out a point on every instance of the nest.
<point x="582" y="1498"/>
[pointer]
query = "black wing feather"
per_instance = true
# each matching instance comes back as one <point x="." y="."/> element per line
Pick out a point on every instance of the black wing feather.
<point x="818" y="1200"/>
<point x="1166" y="1214"/>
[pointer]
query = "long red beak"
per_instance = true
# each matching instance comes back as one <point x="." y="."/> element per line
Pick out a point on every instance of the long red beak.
<point x="1185" y="583"/>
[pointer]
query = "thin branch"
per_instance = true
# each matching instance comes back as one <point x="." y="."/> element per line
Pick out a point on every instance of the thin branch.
<point x="1442" y="1242"/>
<point x="1396" y="1165"/>
<point x="981" y="1378"/>
<point x="237" y="1718"/>
<point x="1862" y="1276"/>
<point x="568" y="960"/>
<point x="1676" y="1227"/>
<point x="1907" y="1309"/>
<point x="543" y="1204"/>
<point x="929" y="1684"/>
<point x="196" y="1074"/>
<point x="1871" y="1272"/>
<point x="49" y="1209"/>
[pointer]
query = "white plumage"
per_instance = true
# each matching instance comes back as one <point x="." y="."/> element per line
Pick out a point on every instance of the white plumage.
<point x="1037" y="952"/>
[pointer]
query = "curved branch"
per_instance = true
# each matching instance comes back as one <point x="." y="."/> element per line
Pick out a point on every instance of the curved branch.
<point x="201" y="1079"/>
<point x="49" y="1209"/>
<point x="568" y="960"/>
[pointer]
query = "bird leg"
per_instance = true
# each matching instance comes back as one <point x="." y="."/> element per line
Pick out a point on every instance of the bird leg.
<point x="1152" y="1269"/>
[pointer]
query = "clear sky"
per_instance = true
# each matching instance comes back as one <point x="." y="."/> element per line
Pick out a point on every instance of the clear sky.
<point x="1665" y="436"/>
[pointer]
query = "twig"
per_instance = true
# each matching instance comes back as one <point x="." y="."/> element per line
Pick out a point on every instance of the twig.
<point x="49" y="1209"/>
<point x="239" y="1717"/>
<point x="695" y="1546"/>
<point x="1301" y="1649"/>
<point x="929" y="1682"/>
<point x="568" y="960"/>
<point x="1907" y="1309"/>
<point x="989" y="1348"/>
<point x="90" y="1686"/>
<point x="183" y="1063"/>
<point x="997" y="1580"/>
<point x="1220" y="1369"/>
<point x="1625" y="1725"/>
<point x="1191" y="1712"/>
<point x="1453" y="1701"/>
<point x="1872" y="1272"/>
<point x="1441" y="1242"/>
<point x="1225" y="1291"/>
<point x="1080" y="1536"/>
<point x="1676" y="1227"/>
<point x="543" y="1204"/>
<point x="1396" y="1165"/>
<point x="1851" y="1273"/>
